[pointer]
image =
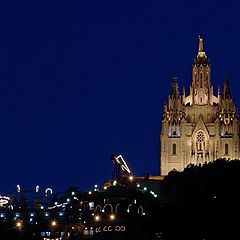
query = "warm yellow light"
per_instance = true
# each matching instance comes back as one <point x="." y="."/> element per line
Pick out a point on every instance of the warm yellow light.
<point x="19" y="224"/>
<point x="54" y="223"/>
<point x="130" y="177"/>
<point x="97" y="218"/>
<point x="114" y="182"/>
<point x="112" y="216"/>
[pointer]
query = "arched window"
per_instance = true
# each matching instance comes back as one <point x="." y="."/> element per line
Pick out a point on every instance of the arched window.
<point x="200" y="141"/>
<point x="201" y="79"/>
<point x="226" y="148"/>
<point x="174" y="149"/>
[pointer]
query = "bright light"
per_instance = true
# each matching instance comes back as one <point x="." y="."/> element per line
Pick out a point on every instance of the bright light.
<point x="112" y="217"/>
<point x="97" y="218"/>
<point x="18" y="224"/>
<point x="95" y="185"/>
<point x="4" y="200"/>
<point x="54" y="223"/>
<point x="89" y="192"/>
<point x="104" y="187"/>
<point x="130" y="177"/>
<point x="114" y="183"/>
<point x="119" y="159"/>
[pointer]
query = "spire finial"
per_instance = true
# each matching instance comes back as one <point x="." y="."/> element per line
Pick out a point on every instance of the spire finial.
<point x="201" y="53"/>
<point x="200" y="43"/>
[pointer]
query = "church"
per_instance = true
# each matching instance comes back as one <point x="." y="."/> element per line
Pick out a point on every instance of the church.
<point x="199" y="127"/>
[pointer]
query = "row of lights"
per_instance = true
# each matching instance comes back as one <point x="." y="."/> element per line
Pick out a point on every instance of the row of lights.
<point x="19" y="224"/>
<point x="112" y="217"/>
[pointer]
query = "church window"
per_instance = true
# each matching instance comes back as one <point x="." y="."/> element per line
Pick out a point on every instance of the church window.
<point x="174" y="149"/>
<point x="226" y="148"/>
<point x="201" y="99"/>
<point x="200" y="141"/>
<point x="201" y="78"/>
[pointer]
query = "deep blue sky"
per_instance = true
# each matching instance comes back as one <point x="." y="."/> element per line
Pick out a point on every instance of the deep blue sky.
<point x="80" y="80"/>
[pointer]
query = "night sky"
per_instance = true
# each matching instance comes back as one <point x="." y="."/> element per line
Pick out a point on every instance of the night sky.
<point x="80" y="80"/>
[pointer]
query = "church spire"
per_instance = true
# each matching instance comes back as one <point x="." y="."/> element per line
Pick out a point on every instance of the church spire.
<point x="201" y="52"/>
<point x="227" y="91"/>
<point x="174" y="90"/>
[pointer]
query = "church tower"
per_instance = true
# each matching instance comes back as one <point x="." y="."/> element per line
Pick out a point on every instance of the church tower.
<point x="200" y="127"/>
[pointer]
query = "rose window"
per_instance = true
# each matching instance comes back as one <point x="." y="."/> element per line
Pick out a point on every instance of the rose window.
<point x="200" y="137"/>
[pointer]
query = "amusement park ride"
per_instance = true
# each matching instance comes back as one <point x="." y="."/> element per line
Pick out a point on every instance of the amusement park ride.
<point x="121" y="171"/>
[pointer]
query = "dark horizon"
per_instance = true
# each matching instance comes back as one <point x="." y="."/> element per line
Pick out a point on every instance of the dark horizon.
<point x="80" y="81"/>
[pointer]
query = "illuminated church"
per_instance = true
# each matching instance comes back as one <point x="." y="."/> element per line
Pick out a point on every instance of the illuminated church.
<point x="199" y="127"/>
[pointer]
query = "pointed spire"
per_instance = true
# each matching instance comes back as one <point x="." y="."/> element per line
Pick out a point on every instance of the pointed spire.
<point x="227" y="91"/>
<point x="218" y="90"/>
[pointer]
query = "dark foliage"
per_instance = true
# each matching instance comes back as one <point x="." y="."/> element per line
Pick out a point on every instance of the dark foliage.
<point x="203" y="201"/>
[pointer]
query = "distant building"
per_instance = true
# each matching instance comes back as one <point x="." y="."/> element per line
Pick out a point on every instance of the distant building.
<point x="199" y="127"/>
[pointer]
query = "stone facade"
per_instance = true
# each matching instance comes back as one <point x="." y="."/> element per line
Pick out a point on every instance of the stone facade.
<point x="200" y="127"/>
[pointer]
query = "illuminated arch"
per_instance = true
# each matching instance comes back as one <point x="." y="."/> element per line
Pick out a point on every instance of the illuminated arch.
<point x="47" y="191"/>
<point x="140" y="210"/>
<point x="106" y="205"/>
<point x="116" y="207"/>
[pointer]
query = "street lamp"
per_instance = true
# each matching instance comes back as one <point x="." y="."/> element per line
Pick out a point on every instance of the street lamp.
<point x="112" y="217"/>
<point x="97" y="218"/>
<point x="19" y="225"/>
<point x="53" y="225"/>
